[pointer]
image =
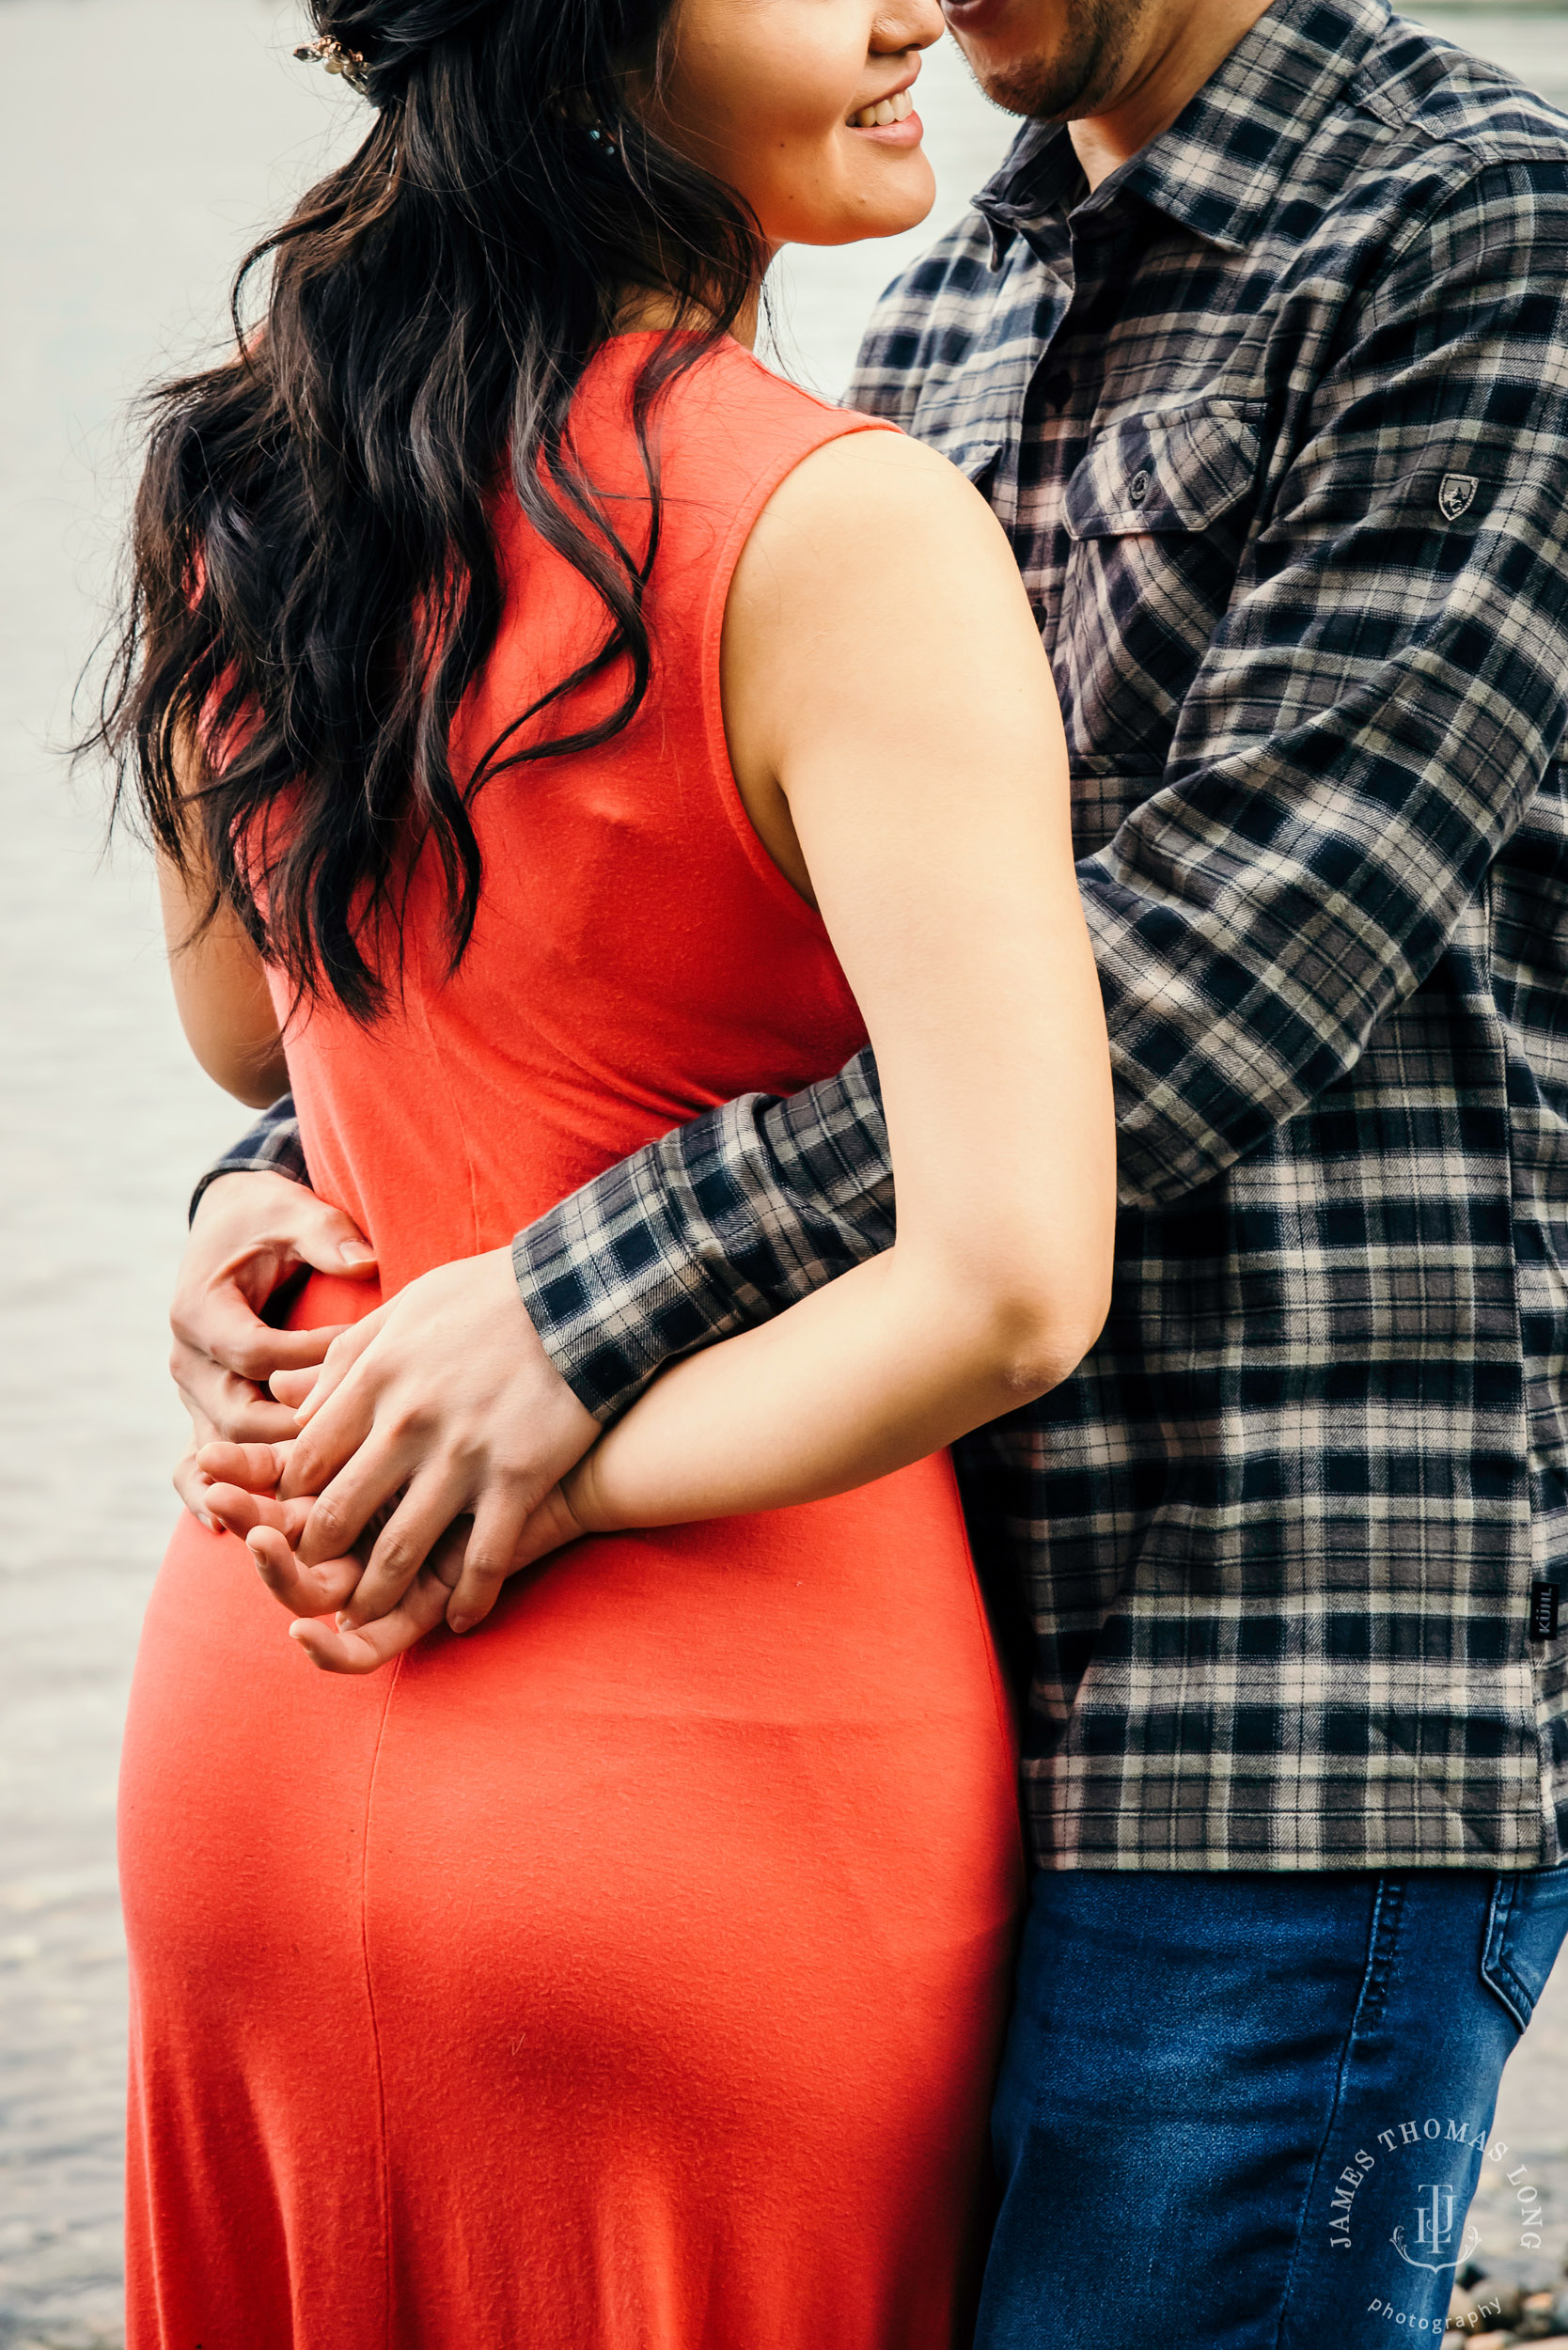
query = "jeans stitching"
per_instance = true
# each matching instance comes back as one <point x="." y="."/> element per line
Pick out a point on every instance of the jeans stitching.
<point x="1382" y="1949"/>
<point x="1387" y="1921"/>
<point x="1495" y="1961"/>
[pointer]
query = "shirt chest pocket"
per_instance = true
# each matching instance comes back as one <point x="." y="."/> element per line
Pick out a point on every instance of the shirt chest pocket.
<point x="1156" y="514"/>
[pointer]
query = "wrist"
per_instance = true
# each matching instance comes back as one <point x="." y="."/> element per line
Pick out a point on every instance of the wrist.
<point x="582" y="1492"/>
<point x="224" y="1180"/>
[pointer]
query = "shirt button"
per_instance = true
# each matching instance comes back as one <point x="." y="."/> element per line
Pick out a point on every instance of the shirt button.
<point x="1137" y="488"/>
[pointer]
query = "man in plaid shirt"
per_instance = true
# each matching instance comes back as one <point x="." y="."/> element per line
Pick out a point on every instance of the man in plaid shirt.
<point x="1258" y="345"/>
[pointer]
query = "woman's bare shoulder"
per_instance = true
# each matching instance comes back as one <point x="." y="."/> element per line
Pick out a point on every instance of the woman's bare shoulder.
<point x="871" y="519"/>
<point x="858" y="471"/>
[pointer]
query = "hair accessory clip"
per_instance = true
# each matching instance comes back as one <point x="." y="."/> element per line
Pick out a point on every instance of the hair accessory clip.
<point x="329" y="52"/>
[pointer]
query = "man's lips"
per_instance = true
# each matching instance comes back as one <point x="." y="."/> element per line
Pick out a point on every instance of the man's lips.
<point x="974" y="16"/>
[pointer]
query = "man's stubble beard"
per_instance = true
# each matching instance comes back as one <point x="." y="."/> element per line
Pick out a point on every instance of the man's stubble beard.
<point x="1084" y="70"/>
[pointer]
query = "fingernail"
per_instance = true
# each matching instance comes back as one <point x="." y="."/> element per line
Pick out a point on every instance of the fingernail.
<point x="343" y="1622"/>
<point x="461" y="1624"/>
<point x="202" y="1519"/>
<point x="356" y="1252"/>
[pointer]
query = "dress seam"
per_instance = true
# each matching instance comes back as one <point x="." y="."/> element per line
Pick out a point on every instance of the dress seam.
<point x="384" y="2158"/>
<point x="444" y="1078"/>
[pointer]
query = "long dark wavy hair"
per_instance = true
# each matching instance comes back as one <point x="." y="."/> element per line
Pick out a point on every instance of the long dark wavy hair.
<point x="313" y="578"/>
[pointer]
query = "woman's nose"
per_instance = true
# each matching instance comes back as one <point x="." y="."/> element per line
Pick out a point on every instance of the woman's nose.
<point x="909" y="24"/>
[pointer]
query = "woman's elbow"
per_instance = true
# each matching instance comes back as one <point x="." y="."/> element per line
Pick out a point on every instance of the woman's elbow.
<point x="254" y="1075"/>
<point x="257" y="1092"/>
<point x="1045" y="1330"/>
<point x="1049" y="1354"/>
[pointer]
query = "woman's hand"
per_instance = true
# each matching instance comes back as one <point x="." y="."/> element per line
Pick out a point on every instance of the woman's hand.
<point x="191" y="1481"/>
<point x="354" y="1646"/>
<point x="242" y="1497"/>
<point x="441" y="1405"/>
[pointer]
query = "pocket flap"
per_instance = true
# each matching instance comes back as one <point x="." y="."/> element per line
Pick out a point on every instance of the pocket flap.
<point x="974" y="459"/>
<point x="1177" y="472"/>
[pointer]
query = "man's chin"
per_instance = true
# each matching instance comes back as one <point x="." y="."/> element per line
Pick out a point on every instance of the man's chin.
<point x="1001" y="41"/>
<point x="995" y="37"/>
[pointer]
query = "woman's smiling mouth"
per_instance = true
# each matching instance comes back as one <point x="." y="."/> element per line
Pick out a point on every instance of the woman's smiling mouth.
<point x="894" y="109"/>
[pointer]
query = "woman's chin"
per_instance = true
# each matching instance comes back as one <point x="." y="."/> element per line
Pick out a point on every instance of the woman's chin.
<point x="895" y="223"/>
<point x="901" y="203"/>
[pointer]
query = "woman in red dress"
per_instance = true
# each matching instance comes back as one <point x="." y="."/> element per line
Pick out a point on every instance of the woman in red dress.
<point x="554" y="724"/>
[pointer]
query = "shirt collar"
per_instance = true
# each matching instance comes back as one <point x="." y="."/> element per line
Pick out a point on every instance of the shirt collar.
<point x="1219" y="168"/>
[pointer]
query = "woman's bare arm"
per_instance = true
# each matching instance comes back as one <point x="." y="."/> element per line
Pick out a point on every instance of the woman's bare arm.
<point x="895" y="734"/>
<point x="220" y="989"/>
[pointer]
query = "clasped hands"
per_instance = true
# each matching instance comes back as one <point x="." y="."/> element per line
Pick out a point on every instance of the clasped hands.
<point x="384" y="1475"/>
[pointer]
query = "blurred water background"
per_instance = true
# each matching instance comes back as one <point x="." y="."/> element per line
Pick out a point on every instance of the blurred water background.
<point x="142" y="144"/>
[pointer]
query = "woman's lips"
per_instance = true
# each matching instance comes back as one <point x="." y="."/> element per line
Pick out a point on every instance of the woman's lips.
<point x="909" y="133"/>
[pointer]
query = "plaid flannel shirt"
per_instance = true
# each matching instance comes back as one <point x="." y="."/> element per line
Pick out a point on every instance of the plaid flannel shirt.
<point x="1276" y="420"/>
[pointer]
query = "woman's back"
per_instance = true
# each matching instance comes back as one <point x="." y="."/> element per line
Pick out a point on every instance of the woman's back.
<point x="638" y="957"/>
<point x="657" y="1937"/>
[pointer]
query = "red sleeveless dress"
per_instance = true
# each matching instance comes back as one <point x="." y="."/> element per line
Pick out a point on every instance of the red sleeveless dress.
<point x="630" y="1975"/>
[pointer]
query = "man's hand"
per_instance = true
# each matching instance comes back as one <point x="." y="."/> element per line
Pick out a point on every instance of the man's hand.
<point x="251" y="1233"/>
<point x="444" y="1405"/>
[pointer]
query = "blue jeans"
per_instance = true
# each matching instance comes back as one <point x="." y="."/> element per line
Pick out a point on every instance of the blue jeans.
<point x="1247" y="2110"/>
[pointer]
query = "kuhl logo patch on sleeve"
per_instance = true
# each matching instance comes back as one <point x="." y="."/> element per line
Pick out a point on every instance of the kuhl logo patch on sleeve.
<point x="1457" y="493"/>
